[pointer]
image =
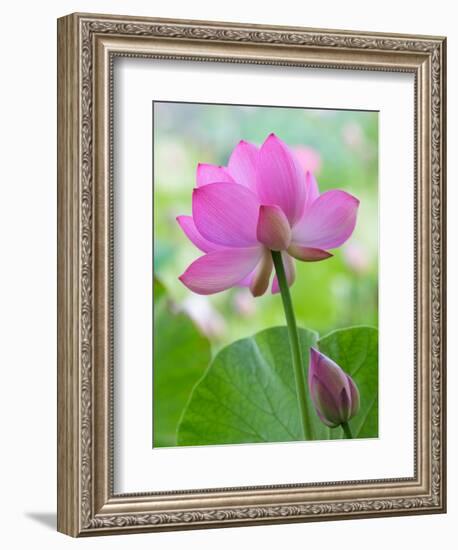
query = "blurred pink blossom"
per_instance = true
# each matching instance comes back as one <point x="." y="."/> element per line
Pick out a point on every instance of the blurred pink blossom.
<point x="352" y="135"/>
<point x="356" y="257"/>
<point x="308" y="158"/>
<point x="244" y="303"/>
<point x="204" y="314"/>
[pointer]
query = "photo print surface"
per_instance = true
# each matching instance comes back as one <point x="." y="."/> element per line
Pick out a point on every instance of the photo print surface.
<point x="265" y="308"/>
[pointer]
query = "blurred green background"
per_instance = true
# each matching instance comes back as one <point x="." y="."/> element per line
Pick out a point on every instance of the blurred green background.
<point x="340" y="147"/>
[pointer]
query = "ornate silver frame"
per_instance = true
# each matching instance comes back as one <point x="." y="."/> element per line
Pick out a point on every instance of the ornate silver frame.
<point x="87" y="44"/>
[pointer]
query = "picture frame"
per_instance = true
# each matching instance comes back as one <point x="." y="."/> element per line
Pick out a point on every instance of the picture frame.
<point x="87" y="46"/>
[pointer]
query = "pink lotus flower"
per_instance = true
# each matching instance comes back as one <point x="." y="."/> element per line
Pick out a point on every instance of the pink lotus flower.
<point x="334" y="394"/>
<point x="261" y="201"/>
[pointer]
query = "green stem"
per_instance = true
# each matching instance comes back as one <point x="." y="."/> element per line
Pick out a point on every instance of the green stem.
<point x="299" y="373"/>
<point x="347" y="431"/>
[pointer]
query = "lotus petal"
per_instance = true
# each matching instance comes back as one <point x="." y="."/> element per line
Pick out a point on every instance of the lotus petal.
<point x="328" y="222"/>
<point x="312" y="191"/>
<point x="290" y="272"/>
<point x="259" y="280"/>
<point x="308" y="254"/>
<point x="242" y="164"/>
<point x="220" y="270"/>
<point x="210" y="173"/>
<point x="189" y="228"/>
<point x="273" y="228"/>
<point x="226" y="214"/>
<point x="325" y="403"/>
<point x="280" y="178"/>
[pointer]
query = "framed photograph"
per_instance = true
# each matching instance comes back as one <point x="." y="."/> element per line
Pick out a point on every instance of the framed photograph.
<point x="251" y="290"/>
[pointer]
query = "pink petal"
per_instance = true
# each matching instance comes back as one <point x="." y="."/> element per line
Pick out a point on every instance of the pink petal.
<point x="324" y="420"/>
<point x="210" y="173"/>
<point x="280" y="178"/>
<point x="190" y="230"/>
<point x="344" y="405"/>
<point x="273" y="228"/>
<point x="260" y="277"/>
<point x="290" y="271"/>
<point x="312" y="191"/>
<point x="329" y="221"/>
<point x="226" y="214"/>
<point x="308" y="254"/>
<point x="220" y="270"/>
<point x="246" y="281"/>
<point x="242" y="164"/>
<point x="325" y="403"/>
<point x="354" y="396"/>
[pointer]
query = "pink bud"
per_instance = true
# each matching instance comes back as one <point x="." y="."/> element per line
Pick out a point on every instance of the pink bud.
<point x="334" y="393"/>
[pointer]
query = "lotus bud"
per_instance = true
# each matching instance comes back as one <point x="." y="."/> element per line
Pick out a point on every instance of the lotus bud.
<point x="334" y="393"/>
